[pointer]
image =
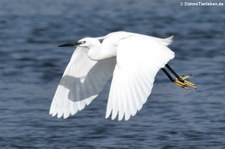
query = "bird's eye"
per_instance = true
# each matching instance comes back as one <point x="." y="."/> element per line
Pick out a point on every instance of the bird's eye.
<point x="83" y="42"/>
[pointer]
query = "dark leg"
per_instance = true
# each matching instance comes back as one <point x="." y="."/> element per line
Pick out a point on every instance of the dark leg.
<point x="179" y="81"/>
<point x="168" y="75"/>
<point x="176" y="81"/>
<point x="175" y="74"/>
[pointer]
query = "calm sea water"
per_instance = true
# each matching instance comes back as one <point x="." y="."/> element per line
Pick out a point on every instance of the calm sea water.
<point x="31" y="66"/>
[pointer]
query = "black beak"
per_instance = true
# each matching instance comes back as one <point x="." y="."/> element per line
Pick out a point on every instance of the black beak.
<point x="70" y="44"/>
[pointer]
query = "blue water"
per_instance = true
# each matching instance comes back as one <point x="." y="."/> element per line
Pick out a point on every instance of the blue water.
<point x="31" y="66"/>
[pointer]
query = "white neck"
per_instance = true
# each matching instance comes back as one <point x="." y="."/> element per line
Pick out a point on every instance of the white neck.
<point x="94" y="52"/>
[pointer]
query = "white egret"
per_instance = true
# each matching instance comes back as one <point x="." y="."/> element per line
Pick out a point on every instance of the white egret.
<point x="132" y="60"/>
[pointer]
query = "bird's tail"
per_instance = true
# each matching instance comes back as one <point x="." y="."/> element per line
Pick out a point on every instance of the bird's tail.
<point x="167" y="41"/>
<point x="164" y="41"/>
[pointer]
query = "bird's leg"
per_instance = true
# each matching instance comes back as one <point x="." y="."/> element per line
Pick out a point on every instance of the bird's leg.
<point x="176" y="81"/>
<point x="182" y="79"/>
<point x="168" y="75"/>
<point x="174" y="73"/>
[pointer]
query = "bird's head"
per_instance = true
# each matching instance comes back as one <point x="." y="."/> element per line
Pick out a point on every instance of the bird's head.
<point x="85" y="42"/>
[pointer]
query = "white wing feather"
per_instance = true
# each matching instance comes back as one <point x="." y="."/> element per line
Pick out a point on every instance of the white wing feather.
<point x="139" y="58"/>
<point x="81" y="82"/>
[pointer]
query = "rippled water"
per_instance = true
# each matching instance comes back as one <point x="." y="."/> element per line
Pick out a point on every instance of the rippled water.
<point x="31" y="66"/>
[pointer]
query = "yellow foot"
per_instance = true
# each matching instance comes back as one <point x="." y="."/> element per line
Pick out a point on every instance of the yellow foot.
<point x="185" y="84"/>
<point x="181" y="84"/>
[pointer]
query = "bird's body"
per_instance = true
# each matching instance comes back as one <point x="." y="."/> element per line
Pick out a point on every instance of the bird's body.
<point x="113" y="41"/>
<point x="132" y="59"/>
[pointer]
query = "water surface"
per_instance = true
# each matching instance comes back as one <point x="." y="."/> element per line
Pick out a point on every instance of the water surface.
<point x="32" y="64"/>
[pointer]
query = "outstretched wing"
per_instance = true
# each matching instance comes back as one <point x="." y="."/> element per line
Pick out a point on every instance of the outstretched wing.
<point x="139" y="58"/>
<point x="81" y="82"/>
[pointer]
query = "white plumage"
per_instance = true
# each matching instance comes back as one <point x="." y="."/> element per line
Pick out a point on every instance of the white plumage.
<point x="132" y="59"/>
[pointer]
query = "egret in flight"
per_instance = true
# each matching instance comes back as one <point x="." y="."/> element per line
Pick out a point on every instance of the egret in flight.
<point x="131" y="59"/>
